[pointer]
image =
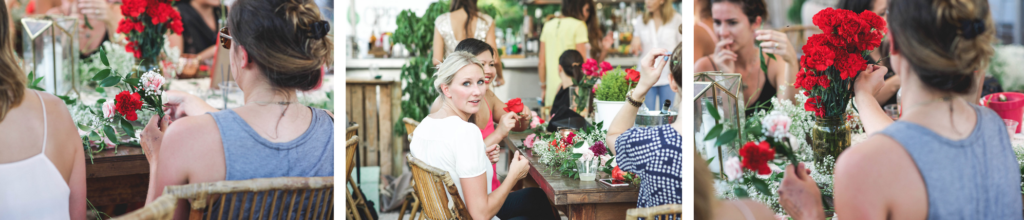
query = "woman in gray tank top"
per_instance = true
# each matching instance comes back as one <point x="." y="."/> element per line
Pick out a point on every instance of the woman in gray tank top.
<point x="945" y="158"/>
<point x="272" y="134"/>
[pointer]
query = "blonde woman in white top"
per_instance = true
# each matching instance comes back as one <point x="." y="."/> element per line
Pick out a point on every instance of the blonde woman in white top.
<point x="658" y="28"/>
<point x="42" y="162"/>
<point x="446" y="140"/>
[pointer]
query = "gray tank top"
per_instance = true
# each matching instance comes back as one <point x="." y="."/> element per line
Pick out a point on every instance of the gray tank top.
<point x="248" y="156"/>
<point x="974" y="178"/>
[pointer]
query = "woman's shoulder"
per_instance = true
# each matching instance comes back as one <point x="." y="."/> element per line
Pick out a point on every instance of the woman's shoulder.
<point x="443" y="18"/>
<point x="192" y="130"/>
<point x="485" y="17"/>
<point x="704" y="64"/>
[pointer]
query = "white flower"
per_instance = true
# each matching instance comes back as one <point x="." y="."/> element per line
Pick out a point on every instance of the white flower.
<point x="776" y="124"/>
<point x="152" y="82"/>
<point x="108" y="109"/>
<point x="733" y="169"/>
<point x="587" y="154"/>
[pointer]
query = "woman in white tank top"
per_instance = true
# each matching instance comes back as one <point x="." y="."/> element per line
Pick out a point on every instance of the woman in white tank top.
<point x="42" y="162"/>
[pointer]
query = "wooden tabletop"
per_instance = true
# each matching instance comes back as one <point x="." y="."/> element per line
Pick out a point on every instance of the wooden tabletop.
<point x="120" y="177"/>
<point x="563" y="190"/>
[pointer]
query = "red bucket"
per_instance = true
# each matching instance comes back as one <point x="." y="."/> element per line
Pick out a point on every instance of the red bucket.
<point x="1012" y="108"/>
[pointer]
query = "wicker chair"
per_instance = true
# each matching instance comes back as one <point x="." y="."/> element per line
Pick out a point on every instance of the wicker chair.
<point x="161" y="209"/>
<point x="410" y="126"/>
<point x="662" y="212"/>
<point x="430" y="188"/>
<point x="798" y="35"/>
<point x="283" y="194"/>
<point x="351" y="131"/>
<point x="356" y="202"/>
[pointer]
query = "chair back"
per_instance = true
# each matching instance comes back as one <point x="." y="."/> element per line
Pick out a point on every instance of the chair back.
<point x="798" y="35"/>
<point x="430" y="186"/>
<point x="160" y="209"/>
<point x="265" y="198"/>
<point x="350" y="157"/>
<point x="662" y="212"/>
<point x="351" y="131"/>
<point x="410" y="126"/>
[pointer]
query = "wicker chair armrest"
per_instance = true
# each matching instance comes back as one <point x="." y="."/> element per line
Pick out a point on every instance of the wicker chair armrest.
<point x="200" y="192"/>
<point x="161" y="208"/>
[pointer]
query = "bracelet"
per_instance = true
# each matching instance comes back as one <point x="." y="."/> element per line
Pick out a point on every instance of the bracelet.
<point x="634" y="103"/>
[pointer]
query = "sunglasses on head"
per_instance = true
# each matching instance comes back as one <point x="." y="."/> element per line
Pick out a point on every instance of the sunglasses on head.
<point x="225" y="38"/>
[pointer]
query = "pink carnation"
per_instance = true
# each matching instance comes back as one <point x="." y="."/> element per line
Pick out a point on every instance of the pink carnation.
<point x="152" y="82"/>
<point x="529" y="140"/>
<point x="108" y="109"/>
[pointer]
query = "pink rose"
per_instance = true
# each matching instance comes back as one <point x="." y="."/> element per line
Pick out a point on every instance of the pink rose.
<point x="529" y="140"/>
<point x="108" y="109"/>
<point x="733" y="168"/>
<point x="536" y="119"/>
<point x="152" y="82"/>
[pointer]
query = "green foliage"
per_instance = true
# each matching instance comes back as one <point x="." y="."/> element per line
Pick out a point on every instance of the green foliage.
<point x="417" y="33"/>
<point x="418" y="79"/>
<point x="614" y="86"/>
<point x="794" y="11"/>
<point x="33" y="81"/>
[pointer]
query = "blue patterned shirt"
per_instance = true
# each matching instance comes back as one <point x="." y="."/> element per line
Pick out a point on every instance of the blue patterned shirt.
<point x="656" y="155"/>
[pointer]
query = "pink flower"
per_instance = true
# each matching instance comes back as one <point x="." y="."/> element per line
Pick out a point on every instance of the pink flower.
<point x="108" y="109"/>
<point x="536" y="119"/>
<point x="776" y="124"/>
<point x="605" y="67"/>
<point x="152" y="82"/>
<point x="587" y="154"/>
<point x="733" y="169"/>
<point x="529" y="140"/>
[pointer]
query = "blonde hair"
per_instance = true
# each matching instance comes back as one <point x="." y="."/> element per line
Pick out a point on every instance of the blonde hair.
<point x="12" y="78"/>
<point x="452" y="64"/>
<point x="666" y="12"/>
<point x="703" y="189"/>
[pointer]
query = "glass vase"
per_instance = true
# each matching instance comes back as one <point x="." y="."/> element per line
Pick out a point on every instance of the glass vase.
<point x="580" y="97"/>
<point x="830" y="136"/>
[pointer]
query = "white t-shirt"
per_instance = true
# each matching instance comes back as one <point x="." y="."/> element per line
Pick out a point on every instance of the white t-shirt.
<point x="452" y="145"/>
<point x="667" y="37"/>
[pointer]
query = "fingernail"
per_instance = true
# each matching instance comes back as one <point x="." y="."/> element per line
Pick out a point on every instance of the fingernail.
<point x="666" y="58"/>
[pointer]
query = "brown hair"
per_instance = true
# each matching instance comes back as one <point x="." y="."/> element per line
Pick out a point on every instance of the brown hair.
<point x="574" y="8"/>
<point x="287" y="38"/>
<point x="945" y="45"/>
<point x="666" y="12"/>
<point x="704" y="6"/>
<point x="703" y="189"/>
<point x="751" y="8"/>
<point x="12" y="79"/>
<point x="471" y="12"/>
<point x="675" y="64"/>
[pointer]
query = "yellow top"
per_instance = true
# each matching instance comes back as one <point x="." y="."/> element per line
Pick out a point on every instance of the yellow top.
<point x="559" y="35"/>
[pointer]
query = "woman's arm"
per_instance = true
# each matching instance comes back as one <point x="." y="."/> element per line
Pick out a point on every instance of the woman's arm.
<point x="541" y="71"/>
<point x="892" y="85"/>
<point x="627" y="114"/>
<point x="438" y="48"/>
<point x="582" y="48"/>
<point x="871" y="114"/>
<point x="484" y="206"/>
<point x="497" y="112"/>
<point x="500" y="78"/>
<point x="77" y="184"/>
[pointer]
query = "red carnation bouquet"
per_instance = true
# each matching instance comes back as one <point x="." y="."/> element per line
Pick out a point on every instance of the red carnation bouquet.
<point x="145" y="22"/>
<point x="833" y="58"/>
<point x="592" y="71"/>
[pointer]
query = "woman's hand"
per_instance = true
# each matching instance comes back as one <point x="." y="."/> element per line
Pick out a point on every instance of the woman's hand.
<point x="180" y="104"/>
<point x="724" y="58"/>
<point x="652" y="68"/>
<point x="799" y="194"/>
<point x="774" y="42"/>
<point x="520" y="166"/>
<point x="151" y="137"/>
<point x="870" y="81"/>
<point x="507" y="122"/>
<point x="492" y="153"/>
<point x="607" y="41"/>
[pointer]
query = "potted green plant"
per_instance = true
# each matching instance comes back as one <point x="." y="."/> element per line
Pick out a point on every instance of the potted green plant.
<point x="611" y="94"/>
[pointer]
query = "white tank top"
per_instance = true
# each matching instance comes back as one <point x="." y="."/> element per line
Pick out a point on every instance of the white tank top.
<point x="33" y="188"/>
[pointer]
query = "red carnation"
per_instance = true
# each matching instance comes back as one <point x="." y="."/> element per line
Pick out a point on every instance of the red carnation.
<point x="817" y="57"/>
<point x="127" y="103"/>
<point x="132" y="47"/>
<point x="569" y="138"/>
<point x="876" y="22"/>
<point x="849" y="65"/>
<point x="514" y="105"/>
<point x="632" y="75"/>
<point x="811" y="104"/>
<point x="824" y="82"/>
<point x="756" y="157"/>
<point x="133" y="8"/>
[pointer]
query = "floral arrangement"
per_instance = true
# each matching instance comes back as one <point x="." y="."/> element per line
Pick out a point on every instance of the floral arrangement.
<point x="832" y="59"/>
<point x="145" y="23"/>
<point x="755" y="171"/>
<point x="616" y="83"/>
<point x="561" y="150"/>
<point x="592" y="71"/>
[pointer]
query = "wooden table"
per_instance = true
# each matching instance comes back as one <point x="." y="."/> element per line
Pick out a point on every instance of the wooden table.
<point x="577" y="199"/>
<point x="117" y="178"/>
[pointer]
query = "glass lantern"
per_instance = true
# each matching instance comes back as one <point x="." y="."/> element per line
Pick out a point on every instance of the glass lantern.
<point x="722" y="91"/>
<point x="50" y="50"/>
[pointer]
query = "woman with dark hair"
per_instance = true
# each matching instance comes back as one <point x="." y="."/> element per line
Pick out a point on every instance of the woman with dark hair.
<point x="42" y="162"/>
<point x="576" y="28"/>
<point x="945" y="158"/>
<point x="704" y="37"/>
<point x="570" y="70"/>
<point x="199" y="20"/>
<point x="653" y="153"/>
<point x="738" y="24"/>
<point x="465" y="21"/>
<point x="494" y="107"/>
<point x="277" y="47"/>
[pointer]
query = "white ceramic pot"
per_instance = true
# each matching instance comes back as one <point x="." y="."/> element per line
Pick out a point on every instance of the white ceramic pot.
<point x="606" y="111"/>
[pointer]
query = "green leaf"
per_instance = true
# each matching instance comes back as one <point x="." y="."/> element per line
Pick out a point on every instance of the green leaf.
<point x="103" y="57"/>
<point x="708" y="161"/>
<point x="100" y="90"/>
<point x="726" y="137"/>
<point x="714" y="132"/>
<point x="110" y="81"/>
<point x="128" y="128"/>
<point x="103" y="74"/>
<point x="67" y="100"/>
<point x="578" y="144"/>
<point x="576" y="156"/>
<point x="132" y="81"/>
<point x="94" y="136"/>
<point x="83" y="127"/>
<point x="713" y="110"/>
<point x="101" y="101"/>
<point x="740" y="192"/>
<point x="109" y="132"/>
<point x="760" y="185"/>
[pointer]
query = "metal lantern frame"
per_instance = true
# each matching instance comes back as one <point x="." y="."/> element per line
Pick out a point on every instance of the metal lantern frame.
<point x="723" y="89"/>
<point x="44" y="35"/>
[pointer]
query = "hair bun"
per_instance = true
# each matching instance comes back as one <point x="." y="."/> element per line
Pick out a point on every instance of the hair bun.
<point x="319" y="29"/>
